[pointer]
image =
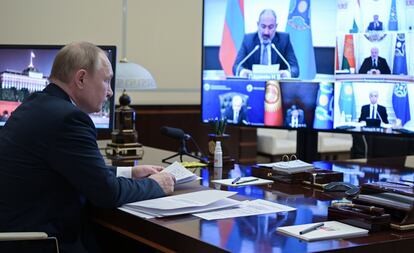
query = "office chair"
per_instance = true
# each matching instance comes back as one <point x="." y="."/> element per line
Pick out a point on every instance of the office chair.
<point x="25" y="242"/>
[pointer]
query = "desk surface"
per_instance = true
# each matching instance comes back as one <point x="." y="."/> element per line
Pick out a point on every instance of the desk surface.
<point x="258" y="233"/>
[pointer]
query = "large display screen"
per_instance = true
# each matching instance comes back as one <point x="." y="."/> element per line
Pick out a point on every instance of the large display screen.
<point x="342" y="65"/>
<point x="25" y="69"/>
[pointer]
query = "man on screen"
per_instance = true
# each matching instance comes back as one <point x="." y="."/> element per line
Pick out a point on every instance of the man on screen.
<point x="375" y="25"/>
<point x="295" y="117"/>
<point x="374" y="110"/>
<point x="374" y="64"/>
<point x="237" y="113"/>
<point x="261" y="48"/>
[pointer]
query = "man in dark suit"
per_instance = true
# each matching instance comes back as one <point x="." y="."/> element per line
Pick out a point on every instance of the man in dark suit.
<point x="374" y="110"/>
<point x="374" y="64"/>
<point x="237" y="113"/>
<point x="295" y="117"/>
<point x="50" y="162"/>
<point x="375" y="25"/>
<point x="264" y="53"/>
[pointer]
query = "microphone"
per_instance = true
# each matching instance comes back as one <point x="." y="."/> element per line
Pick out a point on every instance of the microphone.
<point x="175" y="133"/>
<point x="283" y="58"/>
<point x="245" y="59"/>
<point x="379" y="115"/>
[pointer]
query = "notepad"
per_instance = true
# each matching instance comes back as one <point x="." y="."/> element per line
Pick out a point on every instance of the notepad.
<point x="330" y="230"/>
<point x="291" y="167"/>
<point x="228" y="182"/>
<point x="181" y="174"/>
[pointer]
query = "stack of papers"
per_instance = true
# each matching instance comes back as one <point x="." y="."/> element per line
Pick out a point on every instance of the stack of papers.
<point x="181" y="174"/>
<point x="329" y="230"/>
<point x="291" y="167"/>
<point x="187" y="203"/>
<point x="246" y="208"/>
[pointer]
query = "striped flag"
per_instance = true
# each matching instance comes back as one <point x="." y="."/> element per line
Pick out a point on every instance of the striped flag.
<point x="273" y="115"/>
<point x="400" y="102"/>
<point x="324" y="106"/>
<point x="357" y="17"/>
<point x="400" y="60"/>
<point x="233" y="33"/>
<point x="393" y="21"/>
<point x="347" y="102"/>
<point x="348" y="60"/>
<point x="299" y="28"/>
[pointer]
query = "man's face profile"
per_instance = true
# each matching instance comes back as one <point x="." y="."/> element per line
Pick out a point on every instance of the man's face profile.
<point x="267" y="26"/>
<point x="373" y="97"/>
<point x="236" y="103"/>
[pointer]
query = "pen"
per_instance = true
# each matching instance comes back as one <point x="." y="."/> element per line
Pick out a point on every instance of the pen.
<point x="247" y="181"/>
<point x="235" y="180"/>
<point x="311" y="228"/>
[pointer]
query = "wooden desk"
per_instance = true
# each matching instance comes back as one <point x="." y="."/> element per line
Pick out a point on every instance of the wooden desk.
<point x="258" y="233"/>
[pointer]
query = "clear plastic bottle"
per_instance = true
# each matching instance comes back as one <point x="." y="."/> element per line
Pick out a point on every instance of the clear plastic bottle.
<point x="218" y="155"/>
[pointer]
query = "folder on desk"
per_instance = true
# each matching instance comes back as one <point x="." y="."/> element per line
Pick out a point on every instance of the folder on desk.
<point x="187" y="203"/>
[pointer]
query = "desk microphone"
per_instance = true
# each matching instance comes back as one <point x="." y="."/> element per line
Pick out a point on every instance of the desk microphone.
<point x="283" y="58"/>
<point x="379" y="115"/>
<point x="175" y="133"/>
<point x="245" y="59"/>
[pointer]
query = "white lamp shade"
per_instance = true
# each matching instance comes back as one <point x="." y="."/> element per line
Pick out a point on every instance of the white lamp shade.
<point x="131" y="76"/>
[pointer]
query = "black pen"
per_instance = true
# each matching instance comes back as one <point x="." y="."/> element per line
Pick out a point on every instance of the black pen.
<point x="247" y="181"/>
<point x="311" y="228"/>
<point x="235" y="180"/>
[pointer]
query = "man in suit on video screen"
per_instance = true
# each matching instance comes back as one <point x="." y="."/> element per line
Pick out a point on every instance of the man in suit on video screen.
<point x="375" y="25"/>
<point x="374" y="110"/>
<point x="260" y="48"/>
<point x="374" y="64"/>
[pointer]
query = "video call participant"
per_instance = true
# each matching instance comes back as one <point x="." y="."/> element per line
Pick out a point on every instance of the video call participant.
<point x="374" y="64"/>
<point x="375" y="25"/>
<point x="374" y="110"/>
<point x="295" y="117"/>
<point x="237" y="113"/>
<point x="50" y="162"/>
<point x="259" y="48"/>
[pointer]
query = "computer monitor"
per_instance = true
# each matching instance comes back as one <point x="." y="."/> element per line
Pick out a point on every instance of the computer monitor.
<point x="25" y="69"/>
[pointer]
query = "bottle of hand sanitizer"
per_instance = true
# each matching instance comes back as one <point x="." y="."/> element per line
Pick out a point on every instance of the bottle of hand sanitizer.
<point x="218" y="155"/>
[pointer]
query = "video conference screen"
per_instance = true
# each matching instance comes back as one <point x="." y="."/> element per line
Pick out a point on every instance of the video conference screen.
<point x="25" y="69"/>
<point x="342" y="65"/>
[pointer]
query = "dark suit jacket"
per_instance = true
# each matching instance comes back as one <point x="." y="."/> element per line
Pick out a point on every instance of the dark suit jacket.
<point x="372" y="28"/>
<point x="381" y="110"/>
<point x="50" y="165"/>
<point x="382" y="66"/>
<point x="282" y="43"/>
<point x="242" y="119"/>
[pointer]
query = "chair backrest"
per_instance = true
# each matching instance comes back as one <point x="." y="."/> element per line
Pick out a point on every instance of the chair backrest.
<point x="28" y="242"/>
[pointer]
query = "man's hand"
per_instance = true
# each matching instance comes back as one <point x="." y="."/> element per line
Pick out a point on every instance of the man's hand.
<point x="284" y="73"/>
<point x="141" y="171"/>
<point x="246" y="73"/>
<point x="165" y="180"/>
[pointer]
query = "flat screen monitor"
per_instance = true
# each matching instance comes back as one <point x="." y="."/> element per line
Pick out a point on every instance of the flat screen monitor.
<point x="25" y="69"/>
<point x="335" y="37"/>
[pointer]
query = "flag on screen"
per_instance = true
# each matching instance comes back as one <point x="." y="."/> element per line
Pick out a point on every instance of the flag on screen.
<point x="347" y="102"/>
<point x="324" y="105"/>
<point x="400" y="60"/>
<point x="400" y="102"/>
<point x="336" y="56"/>
<point x="357" y="17"/>
<point x="233" y="33"/>
<point x="299" y="28"/>
<point x="393" y="21"/>
<point x="273" y="115"/>
<point x="348" y="60"/>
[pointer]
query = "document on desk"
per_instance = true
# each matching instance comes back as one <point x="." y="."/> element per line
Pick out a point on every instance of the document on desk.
<point x="243" y="181"/>
<point x="327" y="230"/>
<point x="246" y="208"/>
<point x="181" y="174"/>
<point x="184" y="203"/>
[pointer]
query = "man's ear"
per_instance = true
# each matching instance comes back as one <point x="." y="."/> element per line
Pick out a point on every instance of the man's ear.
<point x="80" y="76"/>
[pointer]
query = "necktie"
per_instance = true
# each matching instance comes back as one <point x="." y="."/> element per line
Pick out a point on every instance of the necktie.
<point x="236" y="117"/>
<point x="373" y="112"/>
<point x="374" y="63"/>
<point x="265" y="56"/>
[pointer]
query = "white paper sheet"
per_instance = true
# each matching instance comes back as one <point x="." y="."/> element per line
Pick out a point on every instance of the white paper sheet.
<point x="248" y="208"/>
<point x="181" y="174"/>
